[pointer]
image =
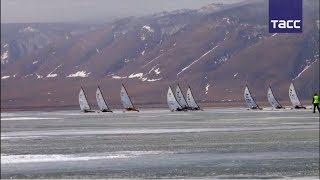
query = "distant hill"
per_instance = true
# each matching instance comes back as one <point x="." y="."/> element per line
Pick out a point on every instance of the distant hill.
<point x="216" y="49"/>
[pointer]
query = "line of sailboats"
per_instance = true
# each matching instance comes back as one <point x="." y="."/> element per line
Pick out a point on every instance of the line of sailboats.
<point x="251" y="103"/>
<point x="178" y="102"/>
<point x="101" y="101"/>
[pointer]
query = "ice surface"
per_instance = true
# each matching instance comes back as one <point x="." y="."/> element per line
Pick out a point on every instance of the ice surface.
<point x="156" y="143"/>
<point x="36" y="158"/>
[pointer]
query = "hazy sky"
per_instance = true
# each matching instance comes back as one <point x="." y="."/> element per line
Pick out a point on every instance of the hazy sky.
<point x="84" y="10"/>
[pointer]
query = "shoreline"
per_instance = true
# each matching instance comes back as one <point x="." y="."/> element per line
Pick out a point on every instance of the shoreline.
<point x="142" y="106"/>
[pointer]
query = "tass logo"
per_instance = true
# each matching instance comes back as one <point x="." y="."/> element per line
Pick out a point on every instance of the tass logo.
<point x="285" y="16"/>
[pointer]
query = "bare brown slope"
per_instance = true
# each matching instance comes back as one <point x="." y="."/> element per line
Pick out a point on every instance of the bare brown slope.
<point x="217" y="53"/>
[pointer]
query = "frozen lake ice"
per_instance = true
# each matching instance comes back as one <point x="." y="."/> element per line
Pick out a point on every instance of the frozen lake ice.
<point x="215" y="143"/>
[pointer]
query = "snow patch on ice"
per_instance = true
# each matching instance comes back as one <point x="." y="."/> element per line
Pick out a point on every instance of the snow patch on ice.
<point x="79" y="74"/>
<point x="203" y="55"/>
<point x="97" y="50"/>
<point x="142" y="53"/>
<point x="24" y="118"/>
<point x="12" y="159"/>
<point x="36" y="158"/>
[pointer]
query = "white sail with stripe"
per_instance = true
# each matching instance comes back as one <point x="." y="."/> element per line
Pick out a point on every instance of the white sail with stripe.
<point x="84" y="105"/>
<point x="172" y="101"/>
<point x="190" y="99"/>
<point x="101" y="101"/>
<point x="272" y="100"/>
<point x="249" y="99"/>
<point x="180" y="98"/>
<point x="293" y="96"/>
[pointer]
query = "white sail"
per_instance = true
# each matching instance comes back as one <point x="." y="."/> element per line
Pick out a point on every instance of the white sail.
<point x="272" y="100"/>
<point x="172" y="101"/>
<point x="125" y="99"/>
<point x="293" y="96"/>
<point x="101" y="101"/>
<point x="190" y="99"/>
<point x="180" y="98"/>
<point x="249" y="100"/>
<point x="84" y="105"/>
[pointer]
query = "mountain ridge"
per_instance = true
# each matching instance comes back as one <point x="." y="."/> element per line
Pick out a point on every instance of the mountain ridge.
<point x="216" y="52"/>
